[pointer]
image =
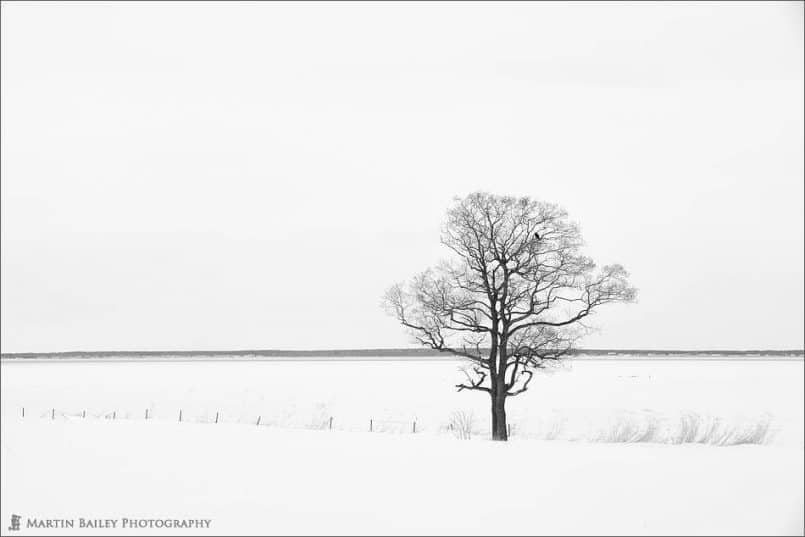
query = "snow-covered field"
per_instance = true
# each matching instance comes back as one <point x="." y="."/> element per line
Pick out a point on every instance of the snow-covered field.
<point x="284" y="477"/>
<point x="580" y="401"/>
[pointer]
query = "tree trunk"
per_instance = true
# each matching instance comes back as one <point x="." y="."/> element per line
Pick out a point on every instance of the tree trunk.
<point x="499" y="427"/>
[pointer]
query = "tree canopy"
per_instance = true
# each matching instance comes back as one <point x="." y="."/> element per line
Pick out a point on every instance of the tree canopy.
<point x="513" y="296"/>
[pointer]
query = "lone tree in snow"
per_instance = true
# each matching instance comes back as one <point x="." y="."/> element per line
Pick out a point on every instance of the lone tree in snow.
<point x="512" y="299"/>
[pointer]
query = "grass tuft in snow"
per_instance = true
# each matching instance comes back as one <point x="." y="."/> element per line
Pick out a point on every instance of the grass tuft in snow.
<point x="651" y="427"/>
<point x="461" y="424"/>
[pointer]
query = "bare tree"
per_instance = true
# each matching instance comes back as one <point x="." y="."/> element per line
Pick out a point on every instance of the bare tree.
<point x="512" y="299"/>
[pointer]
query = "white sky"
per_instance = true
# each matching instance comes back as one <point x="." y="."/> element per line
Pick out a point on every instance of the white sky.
<point x="208" y="176"/>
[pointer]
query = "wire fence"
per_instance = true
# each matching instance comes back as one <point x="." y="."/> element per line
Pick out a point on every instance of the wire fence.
<point x="182" y="415"/>
<point x="622" y="427"/>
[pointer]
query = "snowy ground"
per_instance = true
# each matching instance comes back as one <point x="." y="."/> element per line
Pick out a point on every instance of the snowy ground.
<point x="249" y="480"/>
<point x="577" y="402"/>
<point x="282" y="479"/>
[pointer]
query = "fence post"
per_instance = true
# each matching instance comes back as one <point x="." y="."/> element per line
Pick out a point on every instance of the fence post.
<point x="84" y="414"/>
<point x="508" y="429"/>
<point x="370" y="425"/>
<point x="146" y="413"/>
<point x="114" y="414"/>
<point x="258" y="420"/>
<point x="331" y="423"/>
<point x="414" y="429"/>
<point x="23" y="412"/>
<point x="53" y="413"/>
<point x="180" y="414"/>
<point x="216" y="417"/>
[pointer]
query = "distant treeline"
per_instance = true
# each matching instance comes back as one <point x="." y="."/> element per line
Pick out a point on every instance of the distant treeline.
<point x="379" y="353"/>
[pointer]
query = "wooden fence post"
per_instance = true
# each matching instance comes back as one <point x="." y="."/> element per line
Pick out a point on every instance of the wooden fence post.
<point x="53" y="413"/>
<point x="216" y="417"/>
<point x="414" y="429"/>
<point x="180" y="414"/>
<point x="84" y="414"/>
<point x="114" y="414"/>
<point x="331" y="423"/>
<point x="370" y="425"/>
<point x="508" y="429"/>
<point x="146" y="413"/>
<point x="258" y="420"/>
<point x="23" y="412"/>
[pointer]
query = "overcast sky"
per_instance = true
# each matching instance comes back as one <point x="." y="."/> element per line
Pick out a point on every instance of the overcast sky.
<point x="255" y="175"/>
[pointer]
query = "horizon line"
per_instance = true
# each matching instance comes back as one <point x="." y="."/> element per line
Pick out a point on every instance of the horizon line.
<point x="382" y="351"/>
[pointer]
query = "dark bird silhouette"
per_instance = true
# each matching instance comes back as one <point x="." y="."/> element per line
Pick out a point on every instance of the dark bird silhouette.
<point x="536" y="235"/>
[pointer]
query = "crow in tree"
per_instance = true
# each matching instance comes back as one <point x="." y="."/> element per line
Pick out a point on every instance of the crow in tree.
<point x="536" y="235"/>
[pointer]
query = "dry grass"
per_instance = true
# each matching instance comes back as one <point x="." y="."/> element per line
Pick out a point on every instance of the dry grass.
<point x="647" y="426"/>
<point x="461" y="424"/>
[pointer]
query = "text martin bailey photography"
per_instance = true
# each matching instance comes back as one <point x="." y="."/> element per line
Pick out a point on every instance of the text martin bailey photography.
<point x="402" y="268"/>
